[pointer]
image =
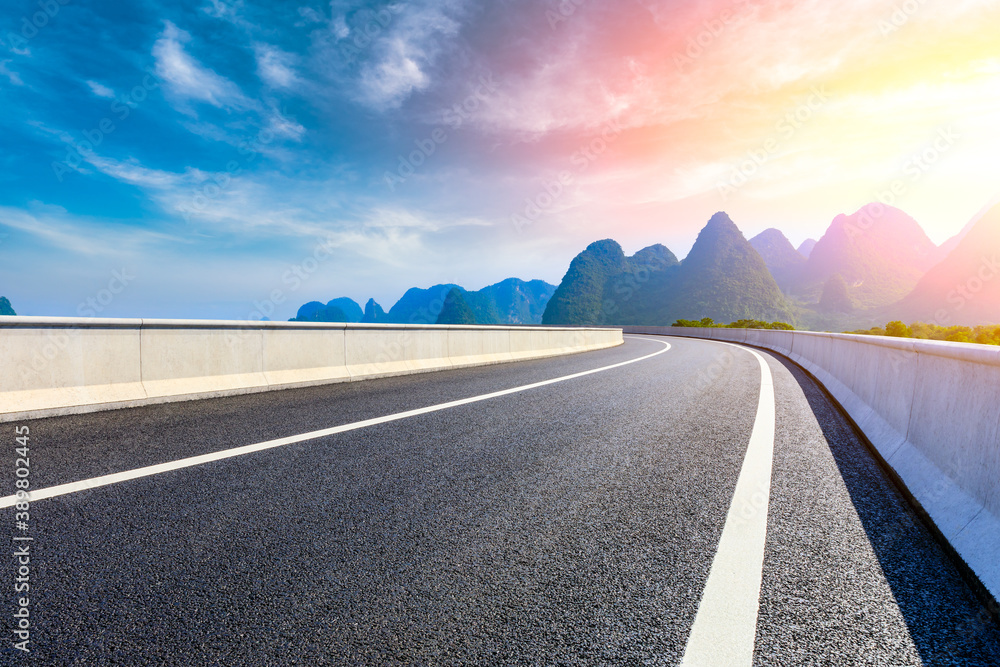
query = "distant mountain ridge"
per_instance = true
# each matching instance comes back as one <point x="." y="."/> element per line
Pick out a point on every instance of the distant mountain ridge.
<point x="5" y="308"/>
<point x="723" y="277"/>
<point x="511" y="301"/>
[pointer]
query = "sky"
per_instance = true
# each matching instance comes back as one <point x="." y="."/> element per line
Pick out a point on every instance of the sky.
<point x="236" y="159"/>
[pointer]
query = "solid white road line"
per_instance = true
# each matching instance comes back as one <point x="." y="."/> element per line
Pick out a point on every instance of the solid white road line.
<point x="105" y="480"/>
<point x="726" y="624"/>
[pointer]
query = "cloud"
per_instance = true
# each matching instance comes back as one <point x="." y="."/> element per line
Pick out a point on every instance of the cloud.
<point x="274" y="66"/>
<point x="78" y="234"/>
<point x="13" y="76"/>
<point x="188" y="79"/>
<point x="101" y="90"/>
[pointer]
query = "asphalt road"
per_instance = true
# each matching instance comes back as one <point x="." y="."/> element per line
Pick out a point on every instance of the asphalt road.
<point x="573" y="523"/>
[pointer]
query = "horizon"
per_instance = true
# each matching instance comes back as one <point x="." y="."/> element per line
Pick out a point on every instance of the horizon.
<point x="207" y="148"/>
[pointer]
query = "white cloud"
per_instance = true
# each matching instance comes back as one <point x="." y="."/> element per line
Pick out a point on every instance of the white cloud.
<point x="274" y="66"/>
<point x="14" y="77"/>
<point x="188" y="79"/>
<point x="101" y="90"/>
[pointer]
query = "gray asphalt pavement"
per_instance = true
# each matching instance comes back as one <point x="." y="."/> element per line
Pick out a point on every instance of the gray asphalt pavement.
<point x="571" y="524"/>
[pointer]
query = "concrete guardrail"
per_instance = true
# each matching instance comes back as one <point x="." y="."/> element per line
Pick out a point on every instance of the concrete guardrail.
<point x="930" y="408"/>
<point x="54" y="366"/>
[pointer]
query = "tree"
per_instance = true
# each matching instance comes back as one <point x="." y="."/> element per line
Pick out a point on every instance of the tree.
<point x="897" y="329"/>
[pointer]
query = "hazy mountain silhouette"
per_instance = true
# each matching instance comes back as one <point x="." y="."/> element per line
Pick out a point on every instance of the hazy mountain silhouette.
<point x="879" y="251"/>
<point x="806" y="248"/>
<point x="783" y="261"/>
<point x="373" y="313"/>
<point x="512" y="301"/>
<point x="964" y="288"/>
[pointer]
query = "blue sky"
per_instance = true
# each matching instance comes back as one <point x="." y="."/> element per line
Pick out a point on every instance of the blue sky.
<point x="233" y="157"/>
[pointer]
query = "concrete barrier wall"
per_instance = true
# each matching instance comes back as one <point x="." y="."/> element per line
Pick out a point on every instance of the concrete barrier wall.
<point x="57" y="366"/>
<point x="930" y="408"/>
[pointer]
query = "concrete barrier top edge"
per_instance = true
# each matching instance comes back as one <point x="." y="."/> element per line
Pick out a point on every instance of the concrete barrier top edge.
<point x="971" y="352"/>
<point x="33" y="322"/>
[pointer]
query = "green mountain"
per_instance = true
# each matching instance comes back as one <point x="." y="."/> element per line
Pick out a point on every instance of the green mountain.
<point x="879" y="251"/>
<point x="511" y="301"/>
<point x="723" y="277"/>
<point x="601" y="281"/>
<point x="455" y="309"/>
<point x="964" y="288"/>
<point x="783" y="261"/>
<point x="5" y="307"/>
<point x="836" y="298"/>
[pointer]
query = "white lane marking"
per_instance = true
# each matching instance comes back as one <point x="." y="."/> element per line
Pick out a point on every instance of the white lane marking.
<point x="105" y="480"/>
<point x="726" y="624"/>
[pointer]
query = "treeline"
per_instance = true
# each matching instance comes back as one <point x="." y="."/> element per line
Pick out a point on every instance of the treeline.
<point x="984" y="335"/>
<point x="707" y="322"/>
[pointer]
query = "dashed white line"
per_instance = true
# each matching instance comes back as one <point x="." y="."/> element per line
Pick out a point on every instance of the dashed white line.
<point x="115" y="478"/>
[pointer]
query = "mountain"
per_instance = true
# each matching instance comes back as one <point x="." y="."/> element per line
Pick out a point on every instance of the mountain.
<point x="836" y="298"/>
<point x="723" y="277"/>
<point x="964" y="288"/>
<point x="807" y="247"/>
<point x="5" y="307"/>
<point x="579" y="299"/>
<point x="783" y="261"/>
<point x="314" y="311"/>
<point x="455" y="310"/>
<point x="952" y="243"/>
<point x="350" y="308"/>
<point x="511" y="301"/>
<point x="373" y="313"/>
<point x="879" y="251"/>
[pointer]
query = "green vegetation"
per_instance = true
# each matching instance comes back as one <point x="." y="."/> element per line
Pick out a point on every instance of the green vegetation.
<point x="984" y="335"/>
<point x="455" y="309"/>
<point x="707" y="322"/>
<point x="5" y="307"/>
<point x="836" y="298"/>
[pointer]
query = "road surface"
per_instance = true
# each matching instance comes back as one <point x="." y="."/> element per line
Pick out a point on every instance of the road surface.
<point x="580" y="521"/>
